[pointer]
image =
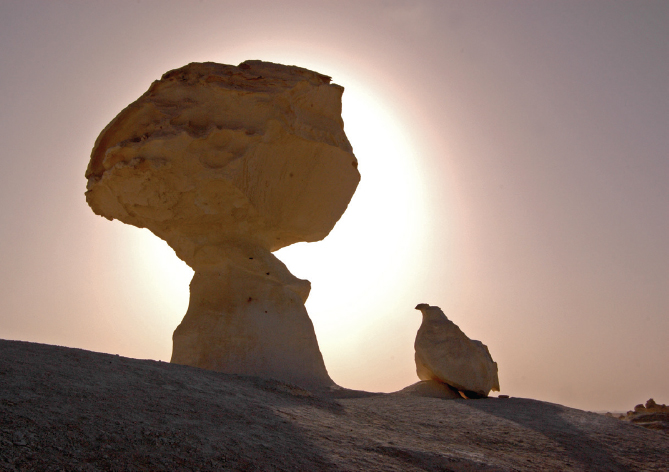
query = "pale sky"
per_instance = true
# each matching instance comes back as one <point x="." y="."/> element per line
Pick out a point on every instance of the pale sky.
<point x="515" y="172"/>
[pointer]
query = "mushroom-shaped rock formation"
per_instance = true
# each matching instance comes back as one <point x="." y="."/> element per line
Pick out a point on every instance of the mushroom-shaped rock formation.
<point x="227" y="164"/>
<point x="444" y="353"/>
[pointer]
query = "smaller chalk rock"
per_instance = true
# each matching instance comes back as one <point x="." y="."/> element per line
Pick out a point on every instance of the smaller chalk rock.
<point x="444" y="353"/>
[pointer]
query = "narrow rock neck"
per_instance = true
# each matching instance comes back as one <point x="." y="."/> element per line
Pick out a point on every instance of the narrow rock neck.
<point x="252" y="261"/>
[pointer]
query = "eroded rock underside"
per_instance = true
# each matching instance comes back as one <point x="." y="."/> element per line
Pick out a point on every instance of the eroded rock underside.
<point x="227" y="164"/>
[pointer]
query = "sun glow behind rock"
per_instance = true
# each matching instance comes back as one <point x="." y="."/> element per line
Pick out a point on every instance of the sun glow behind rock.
<point x="160" y="281"/>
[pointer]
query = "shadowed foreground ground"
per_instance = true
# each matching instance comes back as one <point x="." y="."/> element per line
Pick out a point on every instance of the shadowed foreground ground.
<point x="69" y="409"/>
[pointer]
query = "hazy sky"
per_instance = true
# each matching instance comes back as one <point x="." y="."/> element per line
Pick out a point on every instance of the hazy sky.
<point x="515" y="172"/>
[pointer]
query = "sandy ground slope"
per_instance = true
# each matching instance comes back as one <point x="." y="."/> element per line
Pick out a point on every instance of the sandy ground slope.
<point x="69" y="409"/>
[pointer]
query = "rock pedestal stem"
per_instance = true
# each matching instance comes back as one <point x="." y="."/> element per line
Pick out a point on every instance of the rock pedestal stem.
<point x="247" y="316"/>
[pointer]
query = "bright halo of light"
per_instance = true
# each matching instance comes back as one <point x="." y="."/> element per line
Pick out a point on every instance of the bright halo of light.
<point x="159" y="283"/>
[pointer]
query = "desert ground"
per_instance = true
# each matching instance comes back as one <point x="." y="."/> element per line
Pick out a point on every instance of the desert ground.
<point x="75" y="410"/>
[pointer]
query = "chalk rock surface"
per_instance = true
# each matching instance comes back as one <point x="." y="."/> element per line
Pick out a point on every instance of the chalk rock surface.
<point x="444" y="353"/>
<point x="227" y="164"/>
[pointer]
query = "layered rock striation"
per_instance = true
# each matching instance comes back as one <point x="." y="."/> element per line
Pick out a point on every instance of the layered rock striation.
<point x="228" y="164"/>
<point x="650" y="416"/>
<point x="445" y="354"/>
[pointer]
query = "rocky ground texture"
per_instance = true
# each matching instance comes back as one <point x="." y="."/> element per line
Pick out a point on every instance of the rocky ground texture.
<point x="69" y="409"/>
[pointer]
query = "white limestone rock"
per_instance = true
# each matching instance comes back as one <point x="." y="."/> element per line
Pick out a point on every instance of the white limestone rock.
<point x="227" y="164"/>
<point x="444" y="353"/>
<point x="214" y="153"/>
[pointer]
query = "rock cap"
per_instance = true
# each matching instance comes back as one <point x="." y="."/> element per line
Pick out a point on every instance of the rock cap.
<point x="214" y="155"/>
